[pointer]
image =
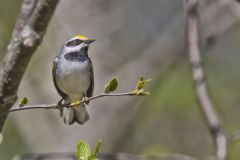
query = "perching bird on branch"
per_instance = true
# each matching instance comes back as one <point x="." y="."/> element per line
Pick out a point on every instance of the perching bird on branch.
<point x="73" y="77"/>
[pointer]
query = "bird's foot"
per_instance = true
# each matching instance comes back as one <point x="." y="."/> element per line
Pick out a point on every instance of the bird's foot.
<point x="60" y="106"/>
<point x="85" y="100"/>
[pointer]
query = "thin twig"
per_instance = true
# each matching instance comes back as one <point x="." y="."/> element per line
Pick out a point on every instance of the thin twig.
<point x="55" y="106"/>
<point x="112" y="94"/>
<point x="26" y="37"/>
<point x="37" y="106"/>
<point x="194" y="51"/>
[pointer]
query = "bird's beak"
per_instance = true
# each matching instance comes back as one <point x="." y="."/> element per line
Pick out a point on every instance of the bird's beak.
<point x="89" y="41"/>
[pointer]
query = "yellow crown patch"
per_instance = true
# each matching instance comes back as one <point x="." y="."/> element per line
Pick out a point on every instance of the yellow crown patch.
<point x="82" y="37"/>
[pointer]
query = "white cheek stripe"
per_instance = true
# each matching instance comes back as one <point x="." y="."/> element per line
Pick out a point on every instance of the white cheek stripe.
<point x="74" y="48"/>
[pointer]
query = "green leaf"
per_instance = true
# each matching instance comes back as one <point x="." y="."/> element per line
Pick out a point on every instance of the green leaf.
<point x="135" y="91"/>
<point x="142" y="83"/>
<point x="144" y="93"/>
<point x="23" y="102"/>
<point x="93" y="156"/>
<point x="83" y="150"/>
<point x="111" y="86"/>
<point x="140" y="91"/>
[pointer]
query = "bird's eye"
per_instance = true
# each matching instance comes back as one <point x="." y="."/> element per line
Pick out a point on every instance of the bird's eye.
<point x="77" y="41"/>
<point x="73" y="43"/>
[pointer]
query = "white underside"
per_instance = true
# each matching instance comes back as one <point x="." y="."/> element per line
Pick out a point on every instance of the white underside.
<point x="73" y="79"/>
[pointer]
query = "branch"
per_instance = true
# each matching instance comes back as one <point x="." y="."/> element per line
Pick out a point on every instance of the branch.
<point x="56" y="106"/>
<point x="26" y="37"/>
<point x="194" y="51"/>
<point x="109" y="88"/>
<point x="105" y="156"/>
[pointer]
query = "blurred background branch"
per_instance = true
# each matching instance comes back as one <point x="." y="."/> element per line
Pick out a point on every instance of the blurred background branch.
<point x="206" y="106"/>
<point x="103" y="156"/>
<point x="29" y="30"/>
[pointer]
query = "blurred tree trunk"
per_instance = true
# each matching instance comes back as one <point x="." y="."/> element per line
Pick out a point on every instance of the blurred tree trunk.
<point x="26" y="37"/>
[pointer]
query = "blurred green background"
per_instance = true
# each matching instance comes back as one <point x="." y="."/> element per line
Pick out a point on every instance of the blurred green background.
<point x="134" y="38"/>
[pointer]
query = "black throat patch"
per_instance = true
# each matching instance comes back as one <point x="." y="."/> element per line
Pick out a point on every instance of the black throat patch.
<point x="77" y="56"/>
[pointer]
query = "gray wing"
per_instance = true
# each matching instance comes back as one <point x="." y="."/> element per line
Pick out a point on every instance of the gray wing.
<point x="91" y="86"/>
<point x="54" y="68"/>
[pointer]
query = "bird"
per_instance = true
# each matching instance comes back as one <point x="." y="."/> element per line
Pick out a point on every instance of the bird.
<point x="73" y="77"/>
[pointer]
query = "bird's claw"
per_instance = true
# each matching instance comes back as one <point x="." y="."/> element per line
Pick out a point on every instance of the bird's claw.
<point x="60" y="106"/>
<point x="85" y="100"/>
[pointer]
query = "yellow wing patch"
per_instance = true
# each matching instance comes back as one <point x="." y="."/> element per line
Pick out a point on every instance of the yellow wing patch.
<point x="82" y="37"/>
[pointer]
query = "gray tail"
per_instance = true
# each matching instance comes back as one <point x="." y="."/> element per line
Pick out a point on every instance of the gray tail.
<point x="77" y="113"/>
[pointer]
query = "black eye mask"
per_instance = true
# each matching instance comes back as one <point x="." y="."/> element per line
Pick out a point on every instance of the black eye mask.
<point x="73" y="43"/>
